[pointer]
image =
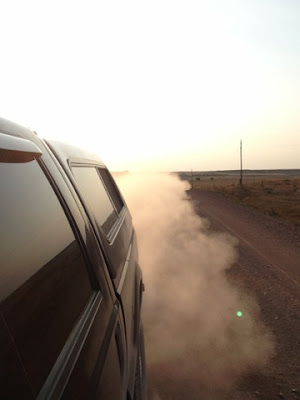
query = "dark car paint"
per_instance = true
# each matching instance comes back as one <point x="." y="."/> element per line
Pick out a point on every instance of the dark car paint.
<point x="99" y="358"/>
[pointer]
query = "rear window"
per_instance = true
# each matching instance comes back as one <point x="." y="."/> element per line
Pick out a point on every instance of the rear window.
<point x="97" y="197"/>
<point x="44" y="281"/>
<point x="112" y="189"/>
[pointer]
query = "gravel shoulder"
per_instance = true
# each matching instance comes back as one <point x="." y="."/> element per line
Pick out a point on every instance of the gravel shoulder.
<point x="268" y="268"/>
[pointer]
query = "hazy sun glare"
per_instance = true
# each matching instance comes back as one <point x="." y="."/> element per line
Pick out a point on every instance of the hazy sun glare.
<point x="163" y="84"/>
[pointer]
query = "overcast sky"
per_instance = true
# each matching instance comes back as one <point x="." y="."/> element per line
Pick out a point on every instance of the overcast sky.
<point x="164" y="85"/>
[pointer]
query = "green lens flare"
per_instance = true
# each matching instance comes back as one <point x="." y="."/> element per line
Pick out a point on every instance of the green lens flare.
<point x="239" y="313"/>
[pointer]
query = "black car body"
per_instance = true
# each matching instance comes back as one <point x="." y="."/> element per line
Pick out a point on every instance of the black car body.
<point x="71" y="286"/>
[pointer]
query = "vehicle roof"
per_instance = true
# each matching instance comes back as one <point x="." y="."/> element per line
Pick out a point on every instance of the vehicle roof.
<point x="14" y="129"/>
<point x="65" y="152"/>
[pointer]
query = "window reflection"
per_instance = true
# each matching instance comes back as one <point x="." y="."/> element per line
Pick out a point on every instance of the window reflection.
<point x="93" y="190"/>
<point x="112" y="189"/>
<point x="33" y="226"/>
<point x="44" y="283"/>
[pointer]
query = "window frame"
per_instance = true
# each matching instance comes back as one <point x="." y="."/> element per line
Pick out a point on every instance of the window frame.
<point x="113" y="232"/>
<point x="114" y="188"/>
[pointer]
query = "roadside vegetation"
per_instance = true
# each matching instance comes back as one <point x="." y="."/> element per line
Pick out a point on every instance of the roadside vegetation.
<point x="278" y="196"/>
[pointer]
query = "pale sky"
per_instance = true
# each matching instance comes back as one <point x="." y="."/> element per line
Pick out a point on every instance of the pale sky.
<point x="160" y="84"/>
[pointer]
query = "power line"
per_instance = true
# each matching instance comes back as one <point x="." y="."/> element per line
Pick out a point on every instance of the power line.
<point x="241" y="158"/>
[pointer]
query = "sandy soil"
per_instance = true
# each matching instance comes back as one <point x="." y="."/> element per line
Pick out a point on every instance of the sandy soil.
<point x="269" y="269"/>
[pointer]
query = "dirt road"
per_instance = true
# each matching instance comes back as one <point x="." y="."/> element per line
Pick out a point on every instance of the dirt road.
<point x="269" y="269"/>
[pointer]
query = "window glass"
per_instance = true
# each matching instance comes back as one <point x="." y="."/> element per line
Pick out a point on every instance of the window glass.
<point x="44" y="283"/>
<point x="111" y="188"/>
<point x="92" y="188"/>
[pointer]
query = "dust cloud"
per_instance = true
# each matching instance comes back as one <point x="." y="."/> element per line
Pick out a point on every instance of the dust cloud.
<point x="196" y="345"/>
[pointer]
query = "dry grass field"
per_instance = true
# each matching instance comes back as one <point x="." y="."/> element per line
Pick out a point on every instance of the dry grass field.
<point x="277" y="195"/>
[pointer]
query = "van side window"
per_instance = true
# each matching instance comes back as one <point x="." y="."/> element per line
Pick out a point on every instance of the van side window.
<point x="44" y="280"/>
<point x="112" y="189"/>
<point x="93" y="190"/>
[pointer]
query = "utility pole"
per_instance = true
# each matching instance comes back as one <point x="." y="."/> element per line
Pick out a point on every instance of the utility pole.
<point x="241" y="158"/>
<point x="192" y="184"/>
